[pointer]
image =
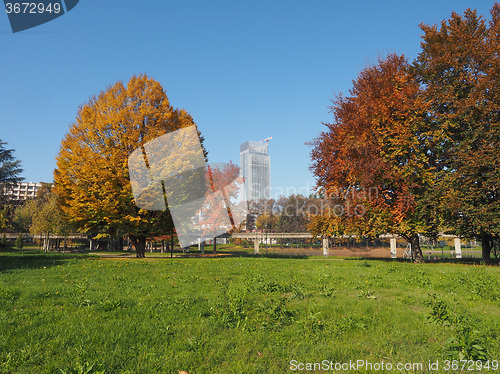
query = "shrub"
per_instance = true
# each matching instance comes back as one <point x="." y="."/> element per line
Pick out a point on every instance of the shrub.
<point x="19" y="242"/>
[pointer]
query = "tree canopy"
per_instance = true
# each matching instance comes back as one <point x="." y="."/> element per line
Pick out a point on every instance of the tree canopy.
<point x="42" y="215"/>
<point x="286" y="213"/>
<point x="10" y="170"/>
<point x="374" y="161"/>
<point x="459" y="66"/>
<point x="92" y="175"/>
<point x="414" y="148"/>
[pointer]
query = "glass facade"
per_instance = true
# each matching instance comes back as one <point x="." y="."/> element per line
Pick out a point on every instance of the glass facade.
<point x="255" y="164"/>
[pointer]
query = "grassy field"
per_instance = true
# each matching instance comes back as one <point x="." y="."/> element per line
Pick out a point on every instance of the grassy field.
<point x="69" y="313"/>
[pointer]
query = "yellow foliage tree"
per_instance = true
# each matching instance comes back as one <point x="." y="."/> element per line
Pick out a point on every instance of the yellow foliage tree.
<point x="42" y="215"/>
<point x="92" y="176"/>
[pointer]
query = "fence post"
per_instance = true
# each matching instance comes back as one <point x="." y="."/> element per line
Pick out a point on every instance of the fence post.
<point x="256" y="245"/>
<point x="458" y="248"/>
<point x="326" y="249"/>
<point x="394" y="254"/>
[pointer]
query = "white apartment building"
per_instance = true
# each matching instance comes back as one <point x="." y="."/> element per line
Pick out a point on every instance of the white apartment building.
<point x="22" y="191"/>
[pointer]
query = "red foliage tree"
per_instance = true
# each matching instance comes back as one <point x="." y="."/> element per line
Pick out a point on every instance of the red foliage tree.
<point x="373" y="163"/>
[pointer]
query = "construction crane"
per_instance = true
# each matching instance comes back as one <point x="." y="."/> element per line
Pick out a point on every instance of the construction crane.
<point x="265" y="140"/>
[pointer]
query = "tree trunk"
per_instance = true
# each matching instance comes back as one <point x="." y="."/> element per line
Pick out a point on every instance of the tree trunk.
<point x="486" y="244"/>
<point x="215" y="245"/>
<point x="46" y="243"/>
<point x="171" y="243"/>
<point x="416" y="251"/>
<point x="139" y="243"/>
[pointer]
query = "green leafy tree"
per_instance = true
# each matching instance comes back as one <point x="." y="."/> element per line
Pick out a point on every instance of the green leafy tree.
<point x="23" y="215"/>
<point x="459" y="66"/>
<point x="10" y="170"/>
<point x="3" y="220"/>
<point x="43" y="215"/>
<point x="19" y="242"/>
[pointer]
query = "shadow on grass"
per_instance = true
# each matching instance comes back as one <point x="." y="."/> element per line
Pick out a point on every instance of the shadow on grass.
<point x="207" y="255"/>
<point x="196" y="254"/>
<point x="226" y="253"/>
<point x="32" y="258"/>
<point x="462" y="261"/>
<point x="265" y="255"/>
<point x="13" y="259"/>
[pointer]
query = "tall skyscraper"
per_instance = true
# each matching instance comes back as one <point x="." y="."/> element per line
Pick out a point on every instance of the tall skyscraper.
<point x="255" y="164"/>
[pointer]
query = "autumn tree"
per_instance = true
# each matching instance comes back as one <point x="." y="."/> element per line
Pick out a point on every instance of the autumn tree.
<point x="43" y="215"/>
<point x="222" y="209"/>
<point x="267" y="221"/>
<point x="288" y="213"/>
<point x="374" y="164"/>
<point x="261" y="206"/>
<point x="292" y="212"/>
<point x="459" y="66"/>
<point x="92" y="175"/>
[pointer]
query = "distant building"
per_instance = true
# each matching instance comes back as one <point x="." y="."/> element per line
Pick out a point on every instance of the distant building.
<point x="255" y="164"/>
<point x="22" y="191"/>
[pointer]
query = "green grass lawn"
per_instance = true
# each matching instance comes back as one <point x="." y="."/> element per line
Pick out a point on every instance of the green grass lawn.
<point x="69" y="313"/>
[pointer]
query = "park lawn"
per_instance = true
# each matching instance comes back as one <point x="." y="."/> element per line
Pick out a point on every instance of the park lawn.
<point x="68" y="313"/>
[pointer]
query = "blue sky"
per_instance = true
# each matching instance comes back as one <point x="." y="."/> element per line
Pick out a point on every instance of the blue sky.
<point x="245" y="70"/>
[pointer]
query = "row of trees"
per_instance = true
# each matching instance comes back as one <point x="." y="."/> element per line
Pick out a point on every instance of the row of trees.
<point x="422" y="137"/>
<point x="92" y="190"/>
<point x="41" y="215"/>
<point x="412" y="150"/>
<point x="285" y="214"/>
